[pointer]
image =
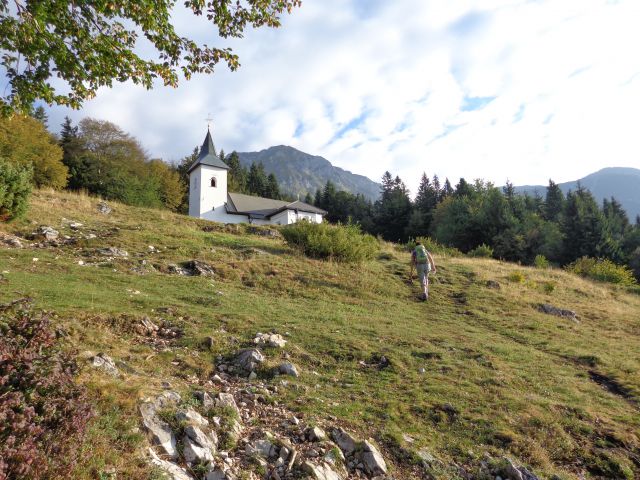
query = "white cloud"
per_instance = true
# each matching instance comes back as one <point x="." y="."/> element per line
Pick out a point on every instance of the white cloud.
<point x="380" y="85"/>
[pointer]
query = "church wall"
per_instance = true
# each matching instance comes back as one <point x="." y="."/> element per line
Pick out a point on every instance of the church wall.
<point x="204" y="197"/>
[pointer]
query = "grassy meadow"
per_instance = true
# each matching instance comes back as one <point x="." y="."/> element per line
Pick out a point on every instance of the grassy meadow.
<point x="474" y="370"/>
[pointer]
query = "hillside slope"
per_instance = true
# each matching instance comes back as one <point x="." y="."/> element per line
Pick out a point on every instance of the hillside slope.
<point x="621" y="183"/>
<point x="299" y="172"/>
<point x="475" y="372"/>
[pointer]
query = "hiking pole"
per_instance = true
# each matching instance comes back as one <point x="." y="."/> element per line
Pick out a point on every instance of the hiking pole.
<point x="411" y="273"/>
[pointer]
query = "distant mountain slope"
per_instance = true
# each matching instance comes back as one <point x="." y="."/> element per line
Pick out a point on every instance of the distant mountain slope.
<point x="621" y="183"/>
<point x="299" y="172"/>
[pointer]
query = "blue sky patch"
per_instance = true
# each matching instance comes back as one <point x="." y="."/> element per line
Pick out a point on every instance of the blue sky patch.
<point x="470" y="104"/>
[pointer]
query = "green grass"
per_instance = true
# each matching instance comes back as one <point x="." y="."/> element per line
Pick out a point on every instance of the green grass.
<point x="499" y="376"/>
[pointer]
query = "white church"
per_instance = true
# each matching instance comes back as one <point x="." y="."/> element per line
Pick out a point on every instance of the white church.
<point x="209" y="198"/>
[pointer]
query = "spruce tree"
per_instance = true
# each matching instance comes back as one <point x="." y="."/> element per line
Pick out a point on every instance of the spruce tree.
<point x="554" y="203"/>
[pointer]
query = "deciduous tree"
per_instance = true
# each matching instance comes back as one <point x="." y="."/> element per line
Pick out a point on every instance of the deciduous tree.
<point x="91" y="43"/>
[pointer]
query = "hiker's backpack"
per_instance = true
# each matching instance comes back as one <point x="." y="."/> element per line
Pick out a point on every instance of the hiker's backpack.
<point x="421" y="254"/>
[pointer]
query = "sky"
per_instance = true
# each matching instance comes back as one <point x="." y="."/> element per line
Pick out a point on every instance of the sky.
<point x="518" y="90"/>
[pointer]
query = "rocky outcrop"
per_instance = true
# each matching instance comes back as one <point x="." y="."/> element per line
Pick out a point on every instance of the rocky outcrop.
<point x="558" y="312"/>
<point x="113" y="252"/>
<point x="274" y="340"/>
<point x="173" y="471"/>
<point x="288" y="368"/>
<point x="104" y="208"/>
<point x="105" y="363"/>
<point x="45" y="233"/>
<point x="159" y="430"/>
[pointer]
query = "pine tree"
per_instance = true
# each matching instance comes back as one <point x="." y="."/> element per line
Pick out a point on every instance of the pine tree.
<point x="256" y="180"/>
<point x="308" y="199"/>
<point x="463" y="189"/>
<point x="554" y="203"/>
<point x="272" y="189"/>
<point x="393" y="209"/>
<point x="423" y="207"/>
<point x="447" y="189"/>
<point x="583" y="227"/>
<point x="237" y="174"/>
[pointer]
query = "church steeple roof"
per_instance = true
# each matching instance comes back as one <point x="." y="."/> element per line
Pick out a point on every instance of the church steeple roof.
<point x="208" y="155"/>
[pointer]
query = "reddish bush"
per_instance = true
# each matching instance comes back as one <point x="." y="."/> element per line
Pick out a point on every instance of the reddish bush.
<point x="43" y="413"/>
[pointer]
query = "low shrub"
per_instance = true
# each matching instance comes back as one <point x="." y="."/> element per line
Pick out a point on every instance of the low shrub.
<point x="602" y="270"/>
<point x="43" y="413"/>
<point x="15" y="188"/>
<point x="343" y="243"/>
<point x="517" y="277"/>
<point x="541" y="262"/>
<point x="433" y="247"/>
<point x="481" y="251"/>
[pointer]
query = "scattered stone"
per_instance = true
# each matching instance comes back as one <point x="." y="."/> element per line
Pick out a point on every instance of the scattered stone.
<point x="227" y="400"/>
<point x="198" y="447"/>
<point x="46" y="233"/>
<point x="171" y="469"/>
<point x="113" y="252"/>
<point x="316" y="434"/>
<point x="75" y="225"/>
<point x="321" y="472"/>
<point x="209" y="342"/>
<point x="558" y="312"/>
<point x="217" y="475"/>
<point x="167" y="399"/>
<point x="106" y="363"/>
<point x="263" y="448"/>
<point x="345" y="441"/>
<point x="10" y="240"/>
<point x="159" y="430"/>
<point x="192" y="417"/>
<point x="493" y="284"/>
<point x="425" y="457"/>
<point x="104" y="208"/>
<point x="288" y="368"/>
<point x="205" y="399"/>
<point x="248" y="359"/>
<point x="269" y="340"/>
<point x="372" y="459"/>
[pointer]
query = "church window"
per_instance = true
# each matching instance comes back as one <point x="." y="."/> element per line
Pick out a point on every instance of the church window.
<point x="213" y="182"/>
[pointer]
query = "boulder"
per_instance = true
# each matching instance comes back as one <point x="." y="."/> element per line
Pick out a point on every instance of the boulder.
<point x="345" y="441"/>
<point x="46" y="233"/>
<point x="558" y="312"/>
<point x="197" y="267"/>
<point x="316" y="434"/>
<point x="248" y="360"/>
<point x="197" y="434"/>
<point x="105" y="362"/>
<point x="104" y="208"/>
<point x="288" y="368"/>
<point x="372" y="459"/>
<point x="205" y="399"/>
<point x="113" y="252"/>
<point x="321" y="472"/>
<point x="227" y="400"/>
<point x="167" y="399"/>
<point x="159" y="430"/>
<point x="493" y="284"/>
<point x="191" y="417"/>
<point x="173" y="471"/>
<point x="263" y="448"/>
<point x="269" y="340"/>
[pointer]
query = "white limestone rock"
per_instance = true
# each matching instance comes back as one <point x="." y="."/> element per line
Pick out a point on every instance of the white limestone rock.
<point x="159" y="430"/>
<point x="171" y="469"/>
<point x="274" y="340"/>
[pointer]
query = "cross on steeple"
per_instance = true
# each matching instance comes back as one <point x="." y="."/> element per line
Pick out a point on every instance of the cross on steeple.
<point x="209" y="120"/>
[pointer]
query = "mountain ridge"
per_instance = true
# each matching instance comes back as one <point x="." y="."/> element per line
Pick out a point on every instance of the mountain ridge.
<point x="621" y="183"/>
<point x="300" y="173"/>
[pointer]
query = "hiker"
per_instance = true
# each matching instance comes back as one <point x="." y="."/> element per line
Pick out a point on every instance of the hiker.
<point x="424" y="264"/>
